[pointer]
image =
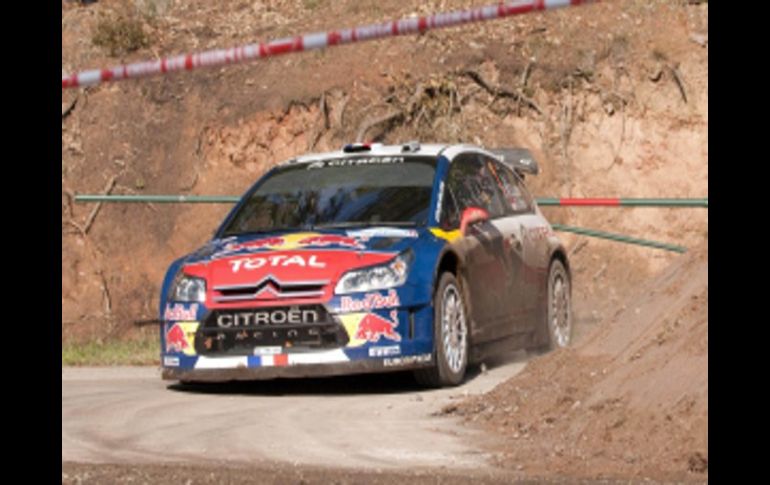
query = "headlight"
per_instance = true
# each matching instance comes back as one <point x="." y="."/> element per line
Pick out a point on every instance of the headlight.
<point x="188" y="288"/>
<point x="379" y="277"/>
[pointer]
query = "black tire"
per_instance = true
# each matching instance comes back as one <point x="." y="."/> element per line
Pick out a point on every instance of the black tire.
<point x="558" y="327"/>
<point x="448" y="370"/>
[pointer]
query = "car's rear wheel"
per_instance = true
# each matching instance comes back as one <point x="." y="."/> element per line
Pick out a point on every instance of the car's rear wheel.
<point x="559" y="314"/>
<point x="450" y="334"/>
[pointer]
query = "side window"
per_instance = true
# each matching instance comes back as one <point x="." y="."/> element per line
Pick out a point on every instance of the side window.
<point x="470" y="183"/>
<point x="516" y="195"/>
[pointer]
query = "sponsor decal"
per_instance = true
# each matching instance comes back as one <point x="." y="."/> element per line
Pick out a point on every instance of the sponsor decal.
<point x="254" y="318"/>
<point x="383" y="232"/>
<point x="267" y="350"/>
<point x="171" y="361"/>
<point x="323" y="240"/>
<point x="384" y="351"/>
<point x="372" y="327"/>
<point x="439" y="201"/>
<point x="180" y="337"/>
<point x="280" y="260"/>
<point x="537" y="233"/>
<point x="268" y="242"/>
<point x="349" y="162"/>
<point x="407" y="360"/>
<point x="370" y="301"/>
<point x="180" y="311"/>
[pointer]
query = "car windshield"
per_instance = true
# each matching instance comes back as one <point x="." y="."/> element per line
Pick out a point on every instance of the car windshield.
<point x="343" y="192"/>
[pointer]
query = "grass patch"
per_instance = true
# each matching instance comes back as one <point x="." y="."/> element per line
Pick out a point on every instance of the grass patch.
<point x="311" y="4"/>
<point x="145" y="351"/>
<point x="120" y="32"/>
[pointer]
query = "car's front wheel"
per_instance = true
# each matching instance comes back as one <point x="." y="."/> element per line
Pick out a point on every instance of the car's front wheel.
<point x="450" y="333"/>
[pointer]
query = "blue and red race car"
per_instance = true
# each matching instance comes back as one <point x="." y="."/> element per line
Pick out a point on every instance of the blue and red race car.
<point x="370" y="259"/>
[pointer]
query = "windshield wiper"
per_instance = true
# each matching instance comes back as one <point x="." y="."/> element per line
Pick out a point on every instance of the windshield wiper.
<point x="349" y="224"/>
<point x="262" y="231"/>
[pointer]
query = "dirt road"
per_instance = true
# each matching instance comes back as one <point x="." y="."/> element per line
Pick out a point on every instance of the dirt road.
<point x="125" y="414"/>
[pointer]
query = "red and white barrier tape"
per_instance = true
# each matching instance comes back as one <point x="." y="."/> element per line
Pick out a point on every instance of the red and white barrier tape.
<point x="318" y="40"/>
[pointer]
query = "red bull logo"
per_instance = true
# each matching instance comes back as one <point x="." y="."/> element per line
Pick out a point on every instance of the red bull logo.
<point x="373" y="326"/>
<point x="295" y="241"/>
<point x="332" y="240"/>
<point x="267" y="243"/>
<point x="176" y="341"/>
<point x="180" y="311"/>
<point x="370" y="301"/>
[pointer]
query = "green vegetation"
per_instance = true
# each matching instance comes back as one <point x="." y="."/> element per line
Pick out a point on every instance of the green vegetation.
<point x="120" y="32"/>
<point x="311" y="4"/>
<point x="144" y="351"/>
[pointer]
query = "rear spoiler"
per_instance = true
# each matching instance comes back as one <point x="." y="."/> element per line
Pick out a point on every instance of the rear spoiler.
<point x="519" y="159"/>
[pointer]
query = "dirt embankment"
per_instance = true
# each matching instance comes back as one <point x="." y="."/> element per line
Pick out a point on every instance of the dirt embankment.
<point x="611" y="97"/>
<point x="630" y="402"/>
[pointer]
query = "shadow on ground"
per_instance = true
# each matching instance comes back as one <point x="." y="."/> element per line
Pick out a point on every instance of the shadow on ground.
<point x="381" y="383"/>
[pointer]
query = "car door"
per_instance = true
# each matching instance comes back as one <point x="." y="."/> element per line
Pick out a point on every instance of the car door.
<point x="469" y="184"/>
<point x="524" y="229"/>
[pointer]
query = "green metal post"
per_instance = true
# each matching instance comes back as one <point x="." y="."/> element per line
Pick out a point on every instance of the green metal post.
<point x="619" y="238"/>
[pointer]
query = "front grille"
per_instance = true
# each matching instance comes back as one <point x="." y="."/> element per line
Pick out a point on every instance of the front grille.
<point x="238" y="332"/>
<point x="269" y="288"/>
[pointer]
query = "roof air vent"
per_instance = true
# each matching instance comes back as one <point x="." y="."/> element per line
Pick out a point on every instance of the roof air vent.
<point x="411" y="147"/>
<point x="357" y="147"/>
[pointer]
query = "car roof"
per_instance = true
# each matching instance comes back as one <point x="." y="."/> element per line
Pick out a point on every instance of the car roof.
<point x="377" y="149"/>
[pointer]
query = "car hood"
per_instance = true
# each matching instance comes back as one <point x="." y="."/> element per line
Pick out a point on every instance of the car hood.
<point x="310" y="262"/>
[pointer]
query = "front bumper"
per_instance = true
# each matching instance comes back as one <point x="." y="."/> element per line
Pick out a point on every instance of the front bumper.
<point x="382" y="340"/>
<point x="263" y="372"/>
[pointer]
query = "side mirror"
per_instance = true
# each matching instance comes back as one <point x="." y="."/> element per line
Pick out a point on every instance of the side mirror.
<point x="472" y="215"/>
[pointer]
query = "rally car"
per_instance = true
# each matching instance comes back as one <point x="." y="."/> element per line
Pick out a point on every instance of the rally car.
<point x="372" y="258"/>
